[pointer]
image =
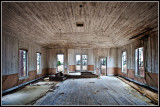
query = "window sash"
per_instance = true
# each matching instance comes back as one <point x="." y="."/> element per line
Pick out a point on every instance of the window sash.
<point x="23" y="64"/>
<point x="139" y="62"/>
<point x="39" y="63"/>
<point x="124" y="62"/>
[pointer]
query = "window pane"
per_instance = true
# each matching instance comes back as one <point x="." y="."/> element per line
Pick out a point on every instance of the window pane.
<point x="38" y="63"/>
<point x="22" y="63"/>
<point x="78" y="62"/>
<point x="124" y="62"/>
<point x="139" y="64"/>
<point x="84" y="62"/>
<point x="141" y="67"/>
<point x="136" y="62"/>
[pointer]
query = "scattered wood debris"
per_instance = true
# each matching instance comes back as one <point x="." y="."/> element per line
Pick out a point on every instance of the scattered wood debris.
<point x="34" y="85"/>
<point x="61" y="93"/>
<point x="91" y="82"/>
<point x="50" y="90"/>
<point x="96" y="91"/>
<point x="145" y="92"/>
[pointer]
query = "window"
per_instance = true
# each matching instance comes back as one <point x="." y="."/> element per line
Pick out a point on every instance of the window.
<point x="60" y="63"/>
<point x="84" y="62"/>
<point x="81" y="63"/>
<point x="124" y="62"/>
<point x="23" y="70"/>
<point x="39" y="71"/>
<point x="78" y="62"/>
<point x="139" y="63"/>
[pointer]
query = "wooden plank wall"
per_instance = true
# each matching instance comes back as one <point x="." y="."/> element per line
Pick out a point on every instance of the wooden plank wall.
<point x="11" y="46"/>
<point x="110" y="53"/>
<point x="150" y="60"/>
<point x="72" y="56"/>
<point x="73" y="52"/>
<point x="52" y="57"/>
<point x="10" y="56"/>
<point x="150" y="56"/>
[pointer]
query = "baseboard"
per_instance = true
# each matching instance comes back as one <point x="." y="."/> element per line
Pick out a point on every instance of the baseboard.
<point x="139" y="83"/>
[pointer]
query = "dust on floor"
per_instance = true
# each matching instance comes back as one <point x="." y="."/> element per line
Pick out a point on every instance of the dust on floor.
<point x="30" y="93"/>
<point x="93" y="91"/>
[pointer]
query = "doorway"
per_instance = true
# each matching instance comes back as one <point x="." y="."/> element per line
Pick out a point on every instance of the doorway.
<point x="103" y="66"/>
<point x="60" y="62"/>
<point x="81" y="63"/>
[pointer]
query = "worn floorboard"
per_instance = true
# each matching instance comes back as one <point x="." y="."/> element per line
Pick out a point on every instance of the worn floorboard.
<point x="93" y="91"/>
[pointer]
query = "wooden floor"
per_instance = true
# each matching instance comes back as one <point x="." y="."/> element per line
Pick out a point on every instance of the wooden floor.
<point x="93" y="91"/>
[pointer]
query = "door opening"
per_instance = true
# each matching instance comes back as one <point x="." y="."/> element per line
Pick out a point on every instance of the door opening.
<point x="78" y="63"/>
<point x="60" y="63"/>
<point x="103" y="66"/>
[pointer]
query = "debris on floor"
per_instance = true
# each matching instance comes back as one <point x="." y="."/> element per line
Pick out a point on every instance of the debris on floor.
<point x="106" y="88"/>
<point x="81" y="92"/>
<point x="61" y="93"/>
<point x="34" y="84"/>
<point x="30" y="93"/>
<point x="91" y="82"/>
<point x="96" y="91"/>
<point x="144" y="91"/>
<point x="51" y="90"/>
<point x="57" y="77"/>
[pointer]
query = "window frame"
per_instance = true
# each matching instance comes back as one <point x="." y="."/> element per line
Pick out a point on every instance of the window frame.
<point x="63" y="62"/>
<point x="40" y="72"/>
<point x="138" y="75"/>
<point x="27" y="75"/>
<point x="80" y="63"/>
<point x="100" y="65"/>
<point x="126" y="62"/>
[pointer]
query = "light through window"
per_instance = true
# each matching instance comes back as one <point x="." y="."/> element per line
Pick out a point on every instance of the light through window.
<point x="39" y="63"/>
<point x="84" y="62"/>
<point x="139" y="63"/>
<point x="22" y="63"/>
<point x="124" y="62"/>
<point x="78" y="62"/>
<point x="60" y="63"/>
<point x="103" y="66"/>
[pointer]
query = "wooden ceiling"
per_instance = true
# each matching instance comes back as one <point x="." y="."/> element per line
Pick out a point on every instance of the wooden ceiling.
<point x="53" y="24"/>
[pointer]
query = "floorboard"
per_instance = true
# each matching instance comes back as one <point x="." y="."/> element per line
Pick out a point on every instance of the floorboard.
<point x="107" y="90"/>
